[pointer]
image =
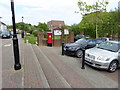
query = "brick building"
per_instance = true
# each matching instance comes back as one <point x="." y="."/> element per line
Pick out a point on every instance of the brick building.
<point x="54" y="24"/>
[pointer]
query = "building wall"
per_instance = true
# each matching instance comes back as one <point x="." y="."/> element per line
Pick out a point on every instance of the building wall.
<point x="54" y="24"/>
<point x="3" y="27"/>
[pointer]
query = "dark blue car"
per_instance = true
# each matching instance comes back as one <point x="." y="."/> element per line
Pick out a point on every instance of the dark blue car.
<point x="76" y="47"/>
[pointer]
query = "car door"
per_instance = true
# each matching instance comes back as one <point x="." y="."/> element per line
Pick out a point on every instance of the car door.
<point x="91" y="43"/>
<point x="119" y="55"/>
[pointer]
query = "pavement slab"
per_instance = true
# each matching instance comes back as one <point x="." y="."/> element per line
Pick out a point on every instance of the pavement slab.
<point x="32" y="77"/>
<point x="73" y="78"/>
<point x="55" y="79"/>
<point x="10" y="77"/>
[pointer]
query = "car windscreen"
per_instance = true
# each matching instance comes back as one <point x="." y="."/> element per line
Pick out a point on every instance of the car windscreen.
<point x="5" y="32"/>
<point x="81" y="41"/>
<point x="91" y="42"/>
<point x="98" y="41"/>
<point x="114" y="47"/>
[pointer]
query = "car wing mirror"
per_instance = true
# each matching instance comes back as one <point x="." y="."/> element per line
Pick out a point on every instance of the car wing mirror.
<point x="97" y="44"/>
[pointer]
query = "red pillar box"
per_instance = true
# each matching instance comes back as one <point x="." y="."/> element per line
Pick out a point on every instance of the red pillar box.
<point x="49" y="36"/>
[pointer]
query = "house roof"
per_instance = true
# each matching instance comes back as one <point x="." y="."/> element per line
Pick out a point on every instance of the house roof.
<point x="2" y="23"/>
<point x="56" y="23"/>
<point x="57" y="28"/>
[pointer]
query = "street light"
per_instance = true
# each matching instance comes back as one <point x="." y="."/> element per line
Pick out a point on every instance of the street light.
<point x="22" y="19"/>
<point x="0" y="23"/>
<point x="17" y="64"/>
<point x="22" y="33"/>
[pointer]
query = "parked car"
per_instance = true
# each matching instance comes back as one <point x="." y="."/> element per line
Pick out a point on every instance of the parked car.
<point x="5" y="34"/>
<point x="76" y="47"/>
<point x="102" y="38"/>
<point x="108" y="39"/>
<point x="93" y="42"/>
<point x="0" y="33"/>
<point x="80" y="36"/>
<point x="106" y="56"/>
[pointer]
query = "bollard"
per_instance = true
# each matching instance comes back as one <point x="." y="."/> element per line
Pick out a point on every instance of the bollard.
<point x="22" y="34"/>
<point x="62" y="48"/>
<point x="27" y="41"/>
<point x="83" y="59"/>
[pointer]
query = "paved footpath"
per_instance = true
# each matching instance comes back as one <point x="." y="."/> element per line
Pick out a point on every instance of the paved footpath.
<point x="45" y="67"/>
<point x="10" y="77"/>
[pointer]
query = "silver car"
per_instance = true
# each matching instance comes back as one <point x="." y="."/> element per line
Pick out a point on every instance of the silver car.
<point x="106" y="56"/>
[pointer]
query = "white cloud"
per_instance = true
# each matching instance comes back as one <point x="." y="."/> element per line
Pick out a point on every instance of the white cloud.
<point x="5" y="14"/>
<point x="35" y="11"/>
<point x="112" y="4"/>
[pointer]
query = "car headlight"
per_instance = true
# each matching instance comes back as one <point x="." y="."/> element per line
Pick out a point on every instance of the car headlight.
<point x="103" y="58"/>
<point x="8" y="34"/>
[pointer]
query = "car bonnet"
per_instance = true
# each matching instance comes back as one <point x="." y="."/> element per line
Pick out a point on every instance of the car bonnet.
<point x="100" y="52"/>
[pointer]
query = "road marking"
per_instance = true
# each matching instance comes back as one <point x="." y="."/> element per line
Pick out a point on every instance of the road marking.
<point x="7" y="45"/>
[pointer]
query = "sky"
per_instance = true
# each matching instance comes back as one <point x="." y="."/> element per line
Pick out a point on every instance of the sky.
<point x="35" y="11"/>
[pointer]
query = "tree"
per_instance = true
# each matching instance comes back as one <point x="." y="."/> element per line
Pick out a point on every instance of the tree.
<point x="10" y="27"/>
<point x="97" y="7"/>
<point x="23" y="26"/>
<point x="75" y="28"/>
<point x="107" y="23"/>
<point x="42" y="27"/>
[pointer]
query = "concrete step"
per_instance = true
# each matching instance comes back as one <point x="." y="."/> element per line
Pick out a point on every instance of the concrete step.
<point x="33" y="74"/>
<point x="55" y="79"/>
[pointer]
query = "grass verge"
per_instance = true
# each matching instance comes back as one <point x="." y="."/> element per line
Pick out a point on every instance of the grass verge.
<point x="31" y="39"/>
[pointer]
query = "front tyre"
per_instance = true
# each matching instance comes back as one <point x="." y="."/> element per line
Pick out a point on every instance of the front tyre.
<point x="113" y="66"/>
<point x="79" y="53"/>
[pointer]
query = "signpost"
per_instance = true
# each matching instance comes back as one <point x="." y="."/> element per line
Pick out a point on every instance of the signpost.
<point x="66" y="31"/>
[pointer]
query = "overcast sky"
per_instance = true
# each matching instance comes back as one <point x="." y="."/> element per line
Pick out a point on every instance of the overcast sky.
<point x="35" y="11"/>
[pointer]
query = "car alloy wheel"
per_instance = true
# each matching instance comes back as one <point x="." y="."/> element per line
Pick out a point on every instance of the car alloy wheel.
<point x="79" y="53"/>
<point x="113" y="66"/>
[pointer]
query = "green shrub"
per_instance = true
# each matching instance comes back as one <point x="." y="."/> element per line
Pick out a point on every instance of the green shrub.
<point x="35" y="33"/>
<point x="31" y="39"/>
<point x="56" y="37"/>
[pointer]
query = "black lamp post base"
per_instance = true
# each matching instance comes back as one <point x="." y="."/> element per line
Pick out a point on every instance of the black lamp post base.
<point x="17" y="66"/>
<point x="82" y="67"/>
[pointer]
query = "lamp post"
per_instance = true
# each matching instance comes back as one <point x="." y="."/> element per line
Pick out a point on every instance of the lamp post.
<point x="22" y="33"/>
<point x="22" y="19"/>
<point x="0" y="23"/>
<point x="17" y="64"/>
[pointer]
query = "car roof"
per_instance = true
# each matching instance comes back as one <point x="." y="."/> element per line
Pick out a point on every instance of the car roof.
<point x="94" y="40"/>
<point x="118" y="42"/>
